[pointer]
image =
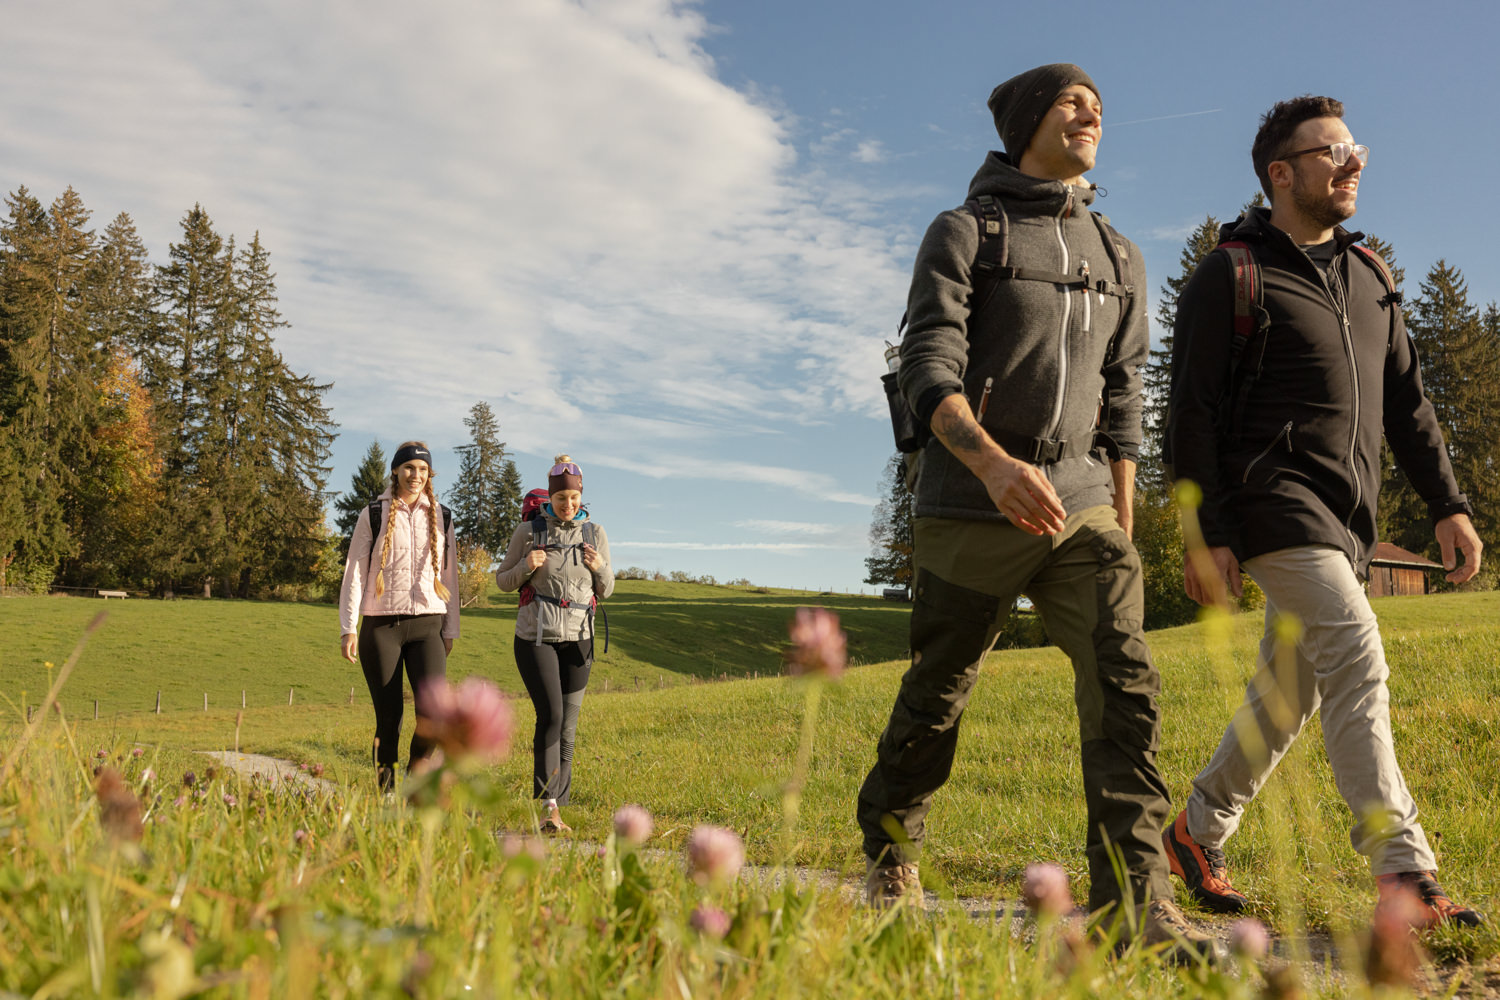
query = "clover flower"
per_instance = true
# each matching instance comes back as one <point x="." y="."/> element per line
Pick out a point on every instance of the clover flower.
<point x="1045" y="890"/>
<point x="1249" y="939"/>
<point x="710" y="921"/>
<point x="119" y="809"/>
<point x="818" y="645"/>
<point x="470" y="720"/>
<point x="632" y="825"/>
<point x="714" y="854"/>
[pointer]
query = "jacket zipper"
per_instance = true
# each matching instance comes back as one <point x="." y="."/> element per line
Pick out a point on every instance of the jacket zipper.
<point x="1067" y="315"/>
<point x="1286" y="432"/>
<point x="1348" y="334"/>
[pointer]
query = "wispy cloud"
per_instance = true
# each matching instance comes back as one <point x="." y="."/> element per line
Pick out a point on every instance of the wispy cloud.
<point x="789" y="527"/>
<point x="870" y="151"/>
<point x="553" y="205"/>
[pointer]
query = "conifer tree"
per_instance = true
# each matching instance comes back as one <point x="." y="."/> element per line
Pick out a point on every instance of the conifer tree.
<point x="1461" y="374"/>
<point x="891" y="548"/>
<point x="368" y="482"/>
<point x="479" y="498"/>
<point x="508" y="504"/>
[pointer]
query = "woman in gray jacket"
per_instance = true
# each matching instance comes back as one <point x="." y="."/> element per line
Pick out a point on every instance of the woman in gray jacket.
<point x="559" y="561"/>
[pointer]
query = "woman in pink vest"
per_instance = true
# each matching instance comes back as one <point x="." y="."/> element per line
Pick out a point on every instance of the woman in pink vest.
<point x="409" y="612"/>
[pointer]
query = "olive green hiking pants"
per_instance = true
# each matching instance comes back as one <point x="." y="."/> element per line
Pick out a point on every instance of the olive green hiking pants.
<point x="1086" y="583"/>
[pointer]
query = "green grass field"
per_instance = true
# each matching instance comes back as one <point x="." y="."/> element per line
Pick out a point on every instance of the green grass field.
<point x="721" y="753"/>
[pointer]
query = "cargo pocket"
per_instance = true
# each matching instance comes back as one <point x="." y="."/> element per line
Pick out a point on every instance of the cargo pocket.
<point x="1128" y="680"/>
<point x="952" y="628"/>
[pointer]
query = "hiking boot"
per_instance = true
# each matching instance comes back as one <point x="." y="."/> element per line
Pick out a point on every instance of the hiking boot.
<point x="892" y="885"/>
<point x="1431" y="905"/>
<point x="554" y="823"/>
<point x="1203" y="869"/>
<point x="1164" y="926"/>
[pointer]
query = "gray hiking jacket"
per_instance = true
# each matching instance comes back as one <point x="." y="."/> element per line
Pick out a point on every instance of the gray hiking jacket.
<point x="1062" y="360"/>
<point x="563" y="576"/>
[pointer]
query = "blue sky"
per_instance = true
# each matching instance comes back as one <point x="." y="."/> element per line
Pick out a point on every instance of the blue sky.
<point x="669" y="238"/>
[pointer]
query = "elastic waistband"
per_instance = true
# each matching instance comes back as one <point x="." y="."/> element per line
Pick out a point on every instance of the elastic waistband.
<point x="376" y="621"/>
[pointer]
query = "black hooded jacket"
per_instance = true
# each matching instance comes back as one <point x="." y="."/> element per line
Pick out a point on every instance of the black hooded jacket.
<point x="1293" y="458"/>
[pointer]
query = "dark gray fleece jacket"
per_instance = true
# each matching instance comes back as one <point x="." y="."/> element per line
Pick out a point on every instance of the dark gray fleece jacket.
<point x="1062" y="360"/>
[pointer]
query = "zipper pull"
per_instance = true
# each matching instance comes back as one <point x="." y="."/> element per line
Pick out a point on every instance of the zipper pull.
<point x="984" y="400"/>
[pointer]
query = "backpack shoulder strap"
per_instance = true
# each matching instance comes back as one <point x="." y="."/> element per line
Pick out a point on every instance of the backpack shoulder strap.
<point x="1392" y="296"/>
<point x="1249" y="313"/>
<point x="992" y="259"/>
<point x="376" y="509"/>
<point x="447" y="517"/>
<point x="1119" y="255"/>
<point x="539" y="531"/>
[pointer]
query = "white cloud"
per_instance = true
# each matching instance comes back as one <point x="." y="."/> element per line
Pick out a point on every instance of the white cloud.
<point x="790" y="547"/>
<point x="553" y="205"/>
<point x="788" y="527"/>
<point x="870" y="151"/>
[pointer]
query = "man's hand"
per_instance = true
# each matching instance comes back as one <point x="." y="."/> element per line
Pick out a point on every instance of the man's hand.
<point x="1457" y="531"/>
<point x="1019" y="490"/>
<point x="1221" y="574"/>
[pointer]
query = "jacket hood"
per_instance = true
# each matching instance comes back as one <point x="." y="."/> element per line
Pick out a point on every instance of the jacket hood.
<point x="997" y="176"/>
<point x="1255" y="224"/>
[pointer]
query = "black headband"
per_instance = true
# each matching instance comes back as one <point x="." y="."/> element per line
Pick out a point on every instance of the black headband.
<point x="407" y="453"/>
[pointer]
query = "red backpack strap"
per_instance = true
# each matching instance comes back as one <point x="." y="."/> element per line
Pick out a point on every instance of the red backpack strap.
<point x="1392" y="296"/>
<point x="1246" y="291"/>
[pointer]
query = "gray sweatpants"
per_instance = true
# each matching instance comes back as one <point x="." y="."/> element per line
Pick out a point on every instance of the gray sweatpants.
<point x="1338" y="666"/>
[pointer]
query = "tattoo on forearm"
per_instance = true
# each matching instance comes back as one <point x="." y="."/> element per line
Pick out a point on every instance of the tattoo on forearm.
<point x="956" y="432"/>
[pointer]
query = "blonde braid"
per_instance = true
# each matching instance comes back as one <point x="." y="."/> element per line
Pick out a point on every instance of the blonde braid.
<point x="385" y="548"/>
<point x="434" y="516"/>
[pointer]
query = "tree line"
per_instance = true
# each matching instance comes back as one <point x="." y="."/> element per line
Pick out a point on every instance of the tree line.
<point x="153" y="438"/>
<point x="1458" y="342"/>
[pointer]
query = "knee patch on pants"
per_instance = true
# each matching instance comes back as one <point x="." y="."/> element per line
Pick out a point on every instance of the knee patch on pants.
<point x="1127" y="677"/>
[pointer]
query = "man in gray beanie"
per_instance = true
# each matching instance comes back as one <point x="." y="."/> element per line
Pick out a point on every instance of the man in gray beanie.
<point x="1027" y="325"/>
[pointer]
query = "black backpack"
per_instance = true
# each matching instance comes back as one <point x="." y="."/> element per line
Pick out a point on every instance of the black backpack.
<point x="377" y="514"/>
<point x="991" y="265"/>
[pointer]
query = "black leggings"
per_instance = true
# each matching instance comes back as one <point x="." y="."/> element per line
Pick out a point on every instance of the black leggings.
<point x="555" y="675"/>
<point x="386" y="642"/>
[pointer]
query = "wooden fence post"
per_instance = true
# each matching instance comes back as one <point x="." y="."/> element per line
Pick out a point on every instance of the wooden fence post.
<point x="289" y="694"/>
<point x="158" y="701"/>
<point x="205" y="701"/>
<point x="351" y="695"/>
<point x="242" y="698"/>
<point x="96" y="709"/>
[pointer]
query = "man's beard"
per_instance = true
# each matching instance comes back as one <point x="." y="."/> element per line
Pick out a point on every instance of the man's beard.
<point x="1318" y="209"/>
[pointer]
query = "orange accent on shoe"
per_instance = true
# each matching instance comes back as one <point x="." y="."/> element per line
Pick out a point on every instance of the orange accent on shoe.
<point x="1430" y="904"/>
<point x="1203" y="869"/>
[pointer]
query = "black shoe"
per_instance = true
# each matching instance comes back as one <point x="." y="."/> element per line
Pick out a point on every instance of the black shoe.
<point x="1203" y="869"/>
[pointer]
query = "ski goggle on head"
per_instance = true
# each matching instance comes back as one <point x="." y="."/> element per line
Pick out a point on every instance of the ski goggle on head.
<point x="565" y="469"/>
<point x="1339" y="152"/>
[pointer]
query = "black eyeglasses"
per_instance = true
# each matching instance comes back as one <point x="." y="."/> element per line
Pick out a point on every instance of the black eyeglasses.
<point x="1339" y="152"/>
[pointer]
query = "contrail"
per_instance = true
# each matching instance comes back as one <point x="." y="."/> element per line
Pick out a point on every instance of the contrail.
<point x="1162" y="118"/>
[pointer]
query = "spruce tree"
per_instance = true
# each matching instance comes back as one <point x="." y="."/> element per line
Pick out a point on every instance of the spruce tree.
<point x="1461" y="374"/>
<point x="508" y="505"/>
<point x="368" y="482"/>
<point x="480" y="497"/>
<point x="890" y="559"/>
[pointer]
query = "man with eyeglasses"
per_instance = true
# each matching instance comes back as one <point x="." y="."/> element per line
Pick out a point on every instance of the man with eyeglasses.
<point x="1279" y="422"/>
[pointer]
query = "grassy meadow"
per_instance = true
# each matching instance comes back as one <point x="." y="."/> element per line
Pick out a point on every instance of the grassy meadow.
<point x="374" y="893"/>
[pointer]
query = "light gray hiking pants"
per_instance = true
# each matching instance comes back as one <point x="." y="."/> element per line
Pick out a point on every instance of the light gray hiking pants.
<point x="1339" y="666"/>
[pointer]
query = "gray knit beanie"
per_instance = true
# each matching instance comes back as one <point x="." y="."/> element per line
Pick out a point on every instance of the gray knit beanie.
<point x="1019" y="103"/>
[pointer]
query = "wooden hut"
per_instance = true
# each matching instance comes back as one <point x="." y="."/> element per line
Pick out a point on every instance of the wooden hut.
<point x="1396" y="571"/>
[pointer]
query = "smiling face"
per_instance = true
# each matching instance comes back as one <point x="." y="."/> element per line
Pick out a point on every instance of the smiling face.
<point x="1067" y="139"/>
<point x="411" y="479"/>
<point x="565" y="504"/>
<point x="1322" y="194"/>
